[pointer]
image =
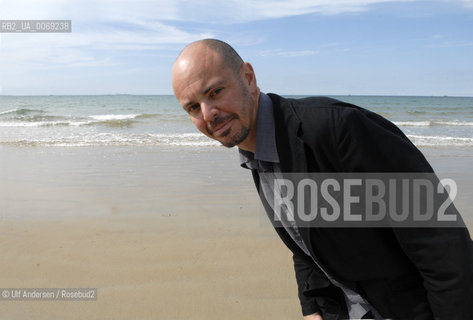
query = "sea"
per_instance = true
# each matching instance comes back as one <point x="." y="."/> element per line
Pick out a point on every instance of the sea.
<point x="159" y="120"/>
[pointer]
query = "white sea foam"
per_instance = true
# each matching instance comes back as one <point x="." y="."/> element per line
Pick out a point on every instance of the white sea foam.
<point x="74" y="123"/>
<point x="112" y="139"/>
<point x="12" y="124"/>
<point x="454" y="123"/>
<point x="412" y="123"/>
<point x="110" y="117"/>
<point x="185" y="139"/>
<point x="432" y="123"/>
<point x="432" y="141"/>
<point x="8" y="111"/>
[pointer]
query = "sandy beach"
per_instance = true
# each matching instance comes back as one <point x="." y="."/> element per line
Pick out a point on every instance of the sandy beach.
<point x="161" y="232"/>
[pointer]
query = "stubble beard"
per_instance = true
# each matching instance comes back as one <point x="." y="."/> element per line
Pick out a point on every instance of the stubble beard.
<point x="244" y="131"/>
<point x="237" y="138"/>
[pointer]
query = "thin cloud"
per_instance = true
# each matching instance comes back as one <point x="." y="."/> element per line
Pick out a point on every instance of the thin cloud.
<point x="468" y="3"/>
<point x="284" y="8"/>
<point x="88" y="47"/>
<point x="452" y="44"/>
<point x="101" y="29"/>
<point x="330" y="45"/>
<point x="241" y="11"/>
<point x="285" y="53"/>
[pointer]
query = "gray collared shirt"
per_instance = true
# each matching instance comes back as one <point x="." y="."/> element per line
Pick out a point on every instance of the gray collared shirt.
<point x="265" y="150"/>
<point x="266" y="161"/>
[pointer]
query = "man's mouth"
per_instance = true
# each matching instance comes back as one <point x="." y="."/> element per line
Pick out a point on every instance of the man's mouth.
<point x="221" y="126"/>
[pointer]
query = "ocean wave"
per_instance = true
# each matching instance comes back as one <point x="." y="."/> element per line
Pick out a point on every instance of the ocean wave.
<point x="112" y="117"/>
<point x="51" y="121"/>
<point x="182" y="139"/>
<point x="433" y="123"/>
<point x="412" y="123"/>
<point x="72" y="123"/>
<point x="148" y="116"/>
<point x="109" y="123"/>
<point x="16" y="124"/>
<point x="416" y="112"/>
<point x="21" y="112"/>
<point x="186" y="140"/>
<point x="115" y="120"/>
<point x="433" y="141"/>
<point x="8" y="111"/>
<point x="453" y="123"/>
<point x="111" y="139"/>
<point x="111" y="120"/>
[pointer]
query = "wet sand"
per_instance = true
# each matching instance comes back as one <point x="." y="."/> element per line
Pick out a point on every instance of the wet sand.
<point x="162" y="233"/>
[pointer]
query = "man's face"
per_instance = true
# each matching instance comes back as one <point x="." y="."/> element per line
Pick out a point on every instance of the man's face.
<point x="221" y="104"/>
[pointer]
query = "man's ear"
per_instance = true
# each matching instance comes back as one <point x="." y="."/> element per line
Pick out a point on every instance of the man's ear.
<point x="248" y="75"/>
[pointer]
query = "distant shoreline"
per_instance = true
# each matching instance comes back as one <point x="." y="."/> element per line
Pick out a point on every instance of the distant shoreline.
<point x="284" y="95"/>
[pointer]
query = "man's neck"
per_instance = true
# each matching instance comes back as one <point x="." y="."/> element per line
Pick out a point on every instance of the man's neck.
<point x="249" y="144"/>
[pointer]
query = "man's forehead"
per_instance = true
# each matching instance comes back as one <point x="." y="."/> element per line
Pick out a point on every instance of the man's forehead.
<point x="197" y="55"/>
<point x="196" y="74"/>
<point x="190" y="66"/>
<point x="199" y="61"/>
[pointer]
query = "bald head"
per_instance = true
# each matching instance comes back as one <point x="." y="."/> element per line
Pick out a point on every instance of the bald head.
<point x="230" y="58"/>
<point x="199" y="57"/>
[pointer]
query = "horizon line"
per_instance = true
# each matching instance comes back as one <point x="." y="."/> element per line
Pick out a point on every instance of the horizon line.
<point x="286" y="95"/>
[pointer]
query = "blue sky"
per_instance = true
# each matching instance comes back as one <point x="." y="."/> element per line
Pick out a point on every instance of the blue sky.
<point x="322" y="47"/>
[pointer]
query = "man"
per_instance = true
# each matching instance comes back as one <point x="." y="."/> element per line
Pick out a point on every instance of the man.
<point x="402" y="273"/>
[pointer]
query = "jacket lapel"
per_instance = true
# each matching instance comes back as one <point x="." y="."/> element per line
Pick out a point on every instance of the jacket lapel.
<point x="288" y="131"/>
<point x="292" y="158"/>
<point x="290" y="147"/>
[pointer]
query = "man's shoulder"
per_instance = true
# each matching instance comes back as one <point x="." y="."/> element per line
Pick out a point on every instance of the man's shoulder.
<point x="310" y="103"/>
<point x="312" y="109"/>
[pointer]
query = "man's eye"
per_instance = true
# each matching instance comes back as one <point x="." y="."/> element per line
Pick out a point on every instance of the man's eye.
<point x="193" y="108"/>
<point x="216" y="91"/>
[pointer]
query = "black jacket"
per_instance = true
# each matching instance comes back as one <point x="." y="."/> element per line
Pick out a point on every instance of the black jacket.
<point x="402" y="272"/>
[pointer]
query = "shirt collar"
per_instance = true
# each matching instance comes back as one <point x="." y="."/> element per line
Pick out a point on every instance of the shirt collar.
<point x="265" y="145"/>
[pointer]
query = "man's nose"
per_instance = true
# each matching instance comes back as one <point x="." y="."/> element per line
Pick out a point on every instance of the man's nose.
<point x="209" y="111"/>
